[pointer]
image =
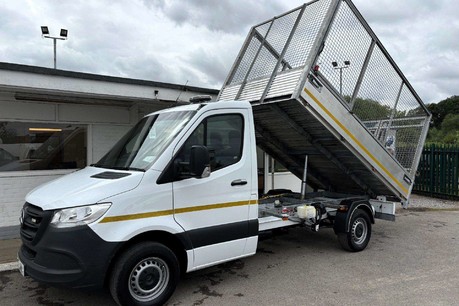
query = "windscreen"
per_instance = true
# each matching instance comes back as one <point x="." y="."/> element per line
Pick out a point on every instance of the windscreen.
<point x="145" y="142"/>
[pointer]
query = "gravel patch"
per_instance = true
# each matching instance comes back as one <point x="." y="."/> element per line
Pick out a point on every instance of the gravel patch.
<point x="419" y="202"/>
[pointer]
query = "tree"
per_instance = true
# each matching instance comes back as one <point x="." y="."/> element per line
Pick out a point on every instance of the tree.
<point x="368" y="109"/>
<point x="451" y="122"/>
<point x="441" y="109"/>
<point x="450" y="129"/>
<point x="445" y="121"/>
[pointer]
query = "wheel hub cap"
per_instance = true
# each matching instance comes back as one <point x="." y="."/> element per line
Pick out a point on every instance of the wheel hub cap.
<point x="148" y="279"/>
<point x="359" y="231"/>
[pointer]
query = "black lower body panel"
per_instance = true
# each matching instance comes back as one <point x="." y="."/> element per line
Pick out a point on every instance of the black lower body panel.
<point x="71" y="257"/>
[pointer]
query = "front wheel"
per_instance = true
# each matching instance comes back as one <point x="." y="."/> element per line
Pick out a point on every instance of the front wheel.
<point x="359" y="232"/>
<point x="145" y="274"/>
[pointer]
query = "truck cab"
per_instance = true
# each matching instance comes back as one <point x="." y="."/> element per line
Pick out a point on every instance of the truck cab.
<point x="177" y="193"/>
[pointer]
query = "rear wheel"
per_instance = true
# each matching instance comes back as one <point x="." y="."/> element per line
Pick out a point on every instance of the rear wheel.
<point x="359" y="232"/>
<point x="146" y="274"/>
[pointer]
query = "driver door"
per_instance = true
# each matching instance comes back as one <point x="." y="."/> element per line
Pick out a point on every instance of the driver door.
<point x="214" y="211"/>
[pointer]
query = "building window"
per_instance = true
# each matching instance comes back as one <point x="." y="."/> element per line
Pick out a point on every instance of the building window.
<point x="277" y="166"/>
<point x="42" y="146"/>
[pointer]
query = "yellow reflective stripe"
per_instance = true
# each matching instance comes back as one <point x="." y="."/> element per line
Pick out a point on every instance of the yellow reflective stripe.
<point x="355" y="140"/>
<point x="212" y="206"/>
<point x="177" y="211"/>
<point x="137" y="216"/>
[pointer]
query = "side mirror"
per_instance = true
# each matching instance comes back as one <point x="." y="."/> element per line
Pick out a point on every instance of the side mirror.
<point x="199" y="162"/>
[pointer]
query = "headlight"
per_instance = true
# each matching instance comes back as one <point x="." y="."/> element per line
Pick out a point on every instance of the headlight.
<point x="76" y="216"/>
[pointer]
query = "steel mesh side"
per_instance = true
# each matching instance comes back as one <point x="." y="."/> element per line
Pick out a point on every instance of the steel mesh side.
<point x="379" y="89"/>
<point x="246" y="61"/>
<point x="407" y="105"/>
<point x="306" y="33"/>
<point x="263" y="29"/>
<point x="385" y="105"/>
<point x="275" y="41"/>
<point x="280" y="30"/>
<point x="263" y="66"/>
<point x="409" y="120"/>
<point x="267" y="42"/>
<point x="347" y="40"/>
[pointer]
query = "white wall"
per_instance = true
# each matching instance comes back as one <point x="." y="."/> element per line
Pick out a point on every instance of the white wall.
<point x="282" y="180"/>
<point x="14" y="187"/>
<point x="91" y="87"/>
<point x="106" y="125"/>
<point x="104" y="138"/>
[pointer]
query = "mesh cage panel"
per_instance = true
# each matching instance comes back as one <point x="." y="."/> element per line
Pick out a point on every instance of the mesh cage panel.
<point x="409" y="120"/>
<point x="264" y="65"/>
<point x="407" y="134"/>
<point x="306" y="33"/>
<point x="280" y="31"/>
<point x="378" y="92"/>
<point x="395" y="120"/>
<point x="263" y="29"/>
<point x="276" y="33"/>
<point x="272" y="48"/>
<point x="246" y="61"/>
<point x="408" y="106"/>
<point x="347" y="40"/>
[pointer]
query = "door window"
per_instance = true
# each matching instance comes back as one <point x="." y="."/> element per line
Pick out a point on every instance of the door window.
<point x="222" y="135"/>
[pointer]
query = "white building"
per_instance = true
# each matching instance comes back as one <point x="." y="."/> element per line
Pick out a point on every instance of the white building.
<point x="53" y="122"/>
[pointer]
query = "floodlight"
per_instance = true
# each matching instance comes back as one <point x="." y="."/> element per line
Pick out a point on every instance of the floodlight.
<point x="44" y="30"/>
<point x="347" y="63"/>
<point x="64" y="33"/>
<point x="335" y="64"/>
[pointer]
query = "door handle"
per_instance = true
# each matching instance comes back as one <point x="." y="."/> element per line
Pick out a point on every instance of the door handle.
<point x="238" y="182"/>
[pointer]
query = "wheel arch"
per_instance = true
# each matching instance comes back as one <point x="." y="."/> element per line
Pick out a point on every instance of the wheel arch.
<point x="176" y="243"/>
<point x="343" y="218"/>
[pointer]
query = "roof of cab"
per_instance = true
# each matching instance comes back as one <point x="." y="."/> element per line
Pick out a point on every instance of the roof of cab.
<point x="207" y="105"/>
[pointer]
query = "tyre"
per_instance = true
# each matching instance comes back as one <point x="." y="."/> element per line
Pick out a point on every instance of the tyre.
<point x="145" y="274"/>
<point x="359" y="232"/>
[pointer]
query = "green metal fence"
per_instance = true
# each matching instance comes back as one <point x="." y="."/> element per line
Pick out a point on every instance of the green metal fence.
<point x="438" y="172"/>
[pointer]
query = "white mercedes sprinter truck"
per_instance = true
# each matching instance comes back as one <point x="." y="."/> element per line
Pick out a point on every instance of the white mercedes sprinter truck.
<point x="179" y="192"/>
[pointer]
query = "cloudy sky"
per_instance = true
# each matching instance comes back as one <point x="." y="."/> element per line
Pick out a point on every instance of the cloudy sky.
<point x="197" y="41"/>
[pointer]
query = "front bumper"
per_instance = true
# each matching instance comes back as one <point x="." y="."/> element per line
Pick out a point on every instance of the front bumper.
<point x="71" y="257"/>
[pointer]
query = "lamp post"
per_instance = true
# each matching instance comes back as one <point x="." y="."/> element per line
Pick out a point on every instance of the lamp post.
<point x="62" y="36"/>
<point x="335" y="66"/>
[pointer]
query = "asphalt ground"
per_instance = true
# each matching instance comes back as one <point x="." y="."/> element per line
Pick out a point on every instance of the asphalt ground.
<point x="413" y="261"/>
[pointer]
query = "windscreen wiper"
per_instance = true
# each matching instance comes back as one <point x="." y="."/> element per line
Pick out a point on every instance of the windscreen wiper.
<point x="128" y="169"/>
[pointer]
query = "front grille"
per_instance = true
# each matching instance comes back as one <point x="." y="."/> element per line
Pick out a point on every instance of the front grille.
<point x="34" y="221"/>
